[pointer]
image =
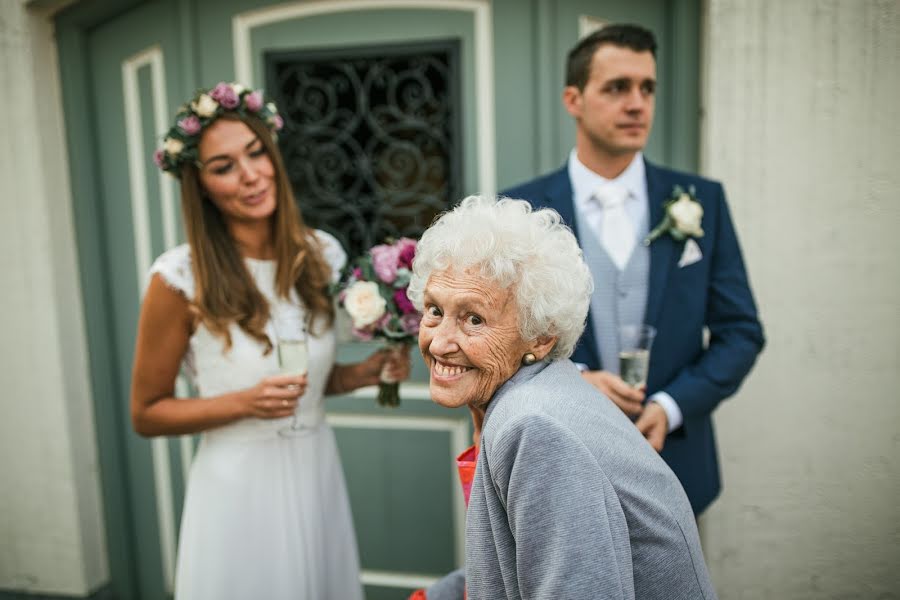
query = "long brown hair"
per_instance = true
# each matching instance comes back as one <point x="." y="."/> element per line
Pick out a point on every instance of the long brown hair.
<point x="225" y="291"/>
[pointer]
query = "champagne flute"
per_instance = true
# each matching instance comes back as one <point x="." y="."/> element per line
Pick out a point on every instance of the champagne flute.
<point x="634" y="353"/>
<point x="293" y="359"/>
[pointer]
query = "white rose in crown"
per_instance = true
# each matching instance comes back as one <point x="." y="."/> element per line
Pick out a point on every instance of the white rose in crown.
<point x="364" y="304"/>
<point x="205" y="106"/>
<point x="683" y="215"/>
<point x="173" y="146"/>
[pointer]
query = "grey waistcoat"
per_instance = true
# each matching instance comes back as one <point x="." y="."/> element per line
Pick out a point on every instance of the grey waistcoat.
<point x="620" y="297"/>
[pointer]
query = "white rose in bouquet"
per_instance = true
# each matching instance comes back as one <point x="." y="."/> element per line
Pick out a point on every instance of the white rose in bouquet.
<point x="364" y="304"/>
<point x="686" y="215"/>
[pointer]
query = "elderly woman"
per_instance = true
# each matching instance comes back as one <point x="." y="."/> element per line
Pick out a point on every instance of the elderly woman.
<point x="568" y="500"/>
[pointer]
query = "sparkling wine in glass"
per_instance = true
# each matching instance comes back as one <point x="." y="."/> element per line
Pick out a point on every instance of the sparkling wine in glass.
<point x="633" y="365"/>
<point x="634" y="353"/>
<point x="293" y="359"/>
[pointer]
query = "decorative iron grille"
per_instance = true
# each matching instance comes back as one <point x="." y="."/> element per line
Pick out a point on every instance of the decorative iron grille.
<point x="372" y="137"/>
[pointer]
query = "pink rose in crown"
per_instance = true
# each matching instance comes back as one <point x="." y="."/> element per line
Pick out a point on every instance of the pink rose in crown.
<point x="158" y="158"/>
<point x="403" y="302"/>
<point x="190" y="125"/>
<point x="384" y="261"/>
<point x="225" y="95"/>
<point x="254" y="101"/>
<point x="277" y="122"/>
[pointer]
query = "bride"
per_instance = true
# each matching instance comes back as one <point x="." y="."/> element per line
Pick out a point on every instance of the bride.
<point x="266" y="513"/>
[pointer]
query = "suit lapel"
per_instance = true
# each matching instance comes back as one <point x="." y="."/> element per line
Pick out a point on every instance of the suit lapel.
<point x="662" y="250"/>
<point x="559" y="197"/>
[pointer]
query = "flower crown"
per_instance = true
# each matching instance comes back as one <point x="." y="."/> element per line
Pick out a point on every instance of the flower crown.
<point x="180" y="143"/>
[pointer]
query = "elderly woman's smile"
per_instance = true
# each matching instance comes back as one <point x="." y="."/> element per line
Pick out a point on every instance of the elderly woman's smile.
<point x="469" y="336"/>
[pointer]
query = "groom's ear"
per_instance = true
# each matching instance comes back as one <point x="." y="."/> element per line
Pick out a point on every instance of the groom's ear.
<point x="571" y="98"/>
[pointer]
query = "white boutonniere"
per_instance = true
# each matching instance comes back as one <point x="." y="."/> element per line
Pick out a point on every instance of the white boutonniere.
<point x="683" y="214"/>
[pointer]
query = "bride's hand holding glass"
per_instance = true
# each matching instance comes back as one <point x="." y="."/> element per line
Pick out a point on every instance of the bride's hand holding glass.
<point x="274" y="397"/>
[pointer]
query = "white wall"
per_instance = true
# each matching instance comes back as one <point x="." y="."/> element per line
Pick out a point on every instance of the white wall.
<point x="51" y="528"/>
<point x="803" y="126"/>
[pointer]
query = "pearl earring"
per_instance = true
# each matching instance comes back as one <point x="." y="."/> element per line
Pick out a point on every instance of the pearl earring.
<point x="529" y="359"/>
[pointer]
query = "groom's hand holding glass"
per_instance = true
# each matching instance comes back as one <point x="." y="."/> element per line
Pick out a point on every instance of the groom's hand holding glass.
<point x="629" y="399"/>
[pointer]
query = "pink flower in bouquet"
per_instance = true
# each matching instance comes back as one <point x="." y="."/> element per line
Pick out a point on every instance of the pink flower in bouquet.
<point x="363" y="335"/>
<point x="410" y="323"/>
<point x="384" y="261"/>
<point x="403" y="302"/>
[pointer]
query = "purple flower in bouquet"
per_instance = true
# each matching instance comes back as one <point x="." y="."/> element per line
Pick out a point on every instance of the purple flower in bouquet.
<point x="373" y="292"/>
<point x="403" y="302"/>
<point x="407" y="251"/>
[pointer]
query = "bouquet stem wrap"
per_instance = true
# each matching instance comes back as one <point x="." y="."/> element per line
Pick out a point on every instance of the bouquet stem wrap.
<point x="388" y="387"/>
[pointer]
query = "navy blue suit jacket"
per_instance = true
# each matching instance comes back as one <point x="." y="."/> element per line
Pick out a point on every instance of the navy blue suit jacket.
<point x="713" y="293"/>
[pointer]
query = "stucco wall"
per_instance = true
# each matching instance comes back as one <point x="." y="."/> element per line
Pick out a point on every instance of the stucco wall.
<point x="51" y="527"/>
<point x="802" y="124"/>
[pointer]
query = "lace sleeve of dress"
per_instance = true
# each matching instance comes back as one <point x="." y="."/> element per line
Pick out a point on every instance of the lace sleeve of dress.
<point x="174" y="266"/>
<point x="334" y="253"/>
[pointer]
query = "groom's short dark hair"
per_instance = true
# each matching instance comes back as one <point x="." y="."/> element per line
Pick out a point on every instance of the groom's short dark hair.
<point x="578" y="62"/>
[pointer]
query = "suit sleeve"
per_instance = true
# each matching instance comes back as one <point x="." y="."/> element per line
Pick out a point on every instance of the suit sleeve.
<point x="570" y="530"/>
<point x="736" y="335"/>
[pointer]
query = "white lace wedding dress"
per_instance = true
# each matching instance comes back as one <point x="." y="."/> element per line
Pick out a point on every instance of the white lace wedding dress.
<point x="265" y="516"/>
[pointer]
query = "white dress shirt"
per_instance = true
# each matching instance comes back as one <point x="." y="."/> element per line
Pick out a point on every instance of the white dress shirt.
<point x="634" y="179"/>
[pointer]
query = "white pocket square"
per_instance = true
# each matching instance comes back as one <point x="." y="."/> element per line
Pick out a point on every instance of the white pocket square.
<point x="691" y="254"/>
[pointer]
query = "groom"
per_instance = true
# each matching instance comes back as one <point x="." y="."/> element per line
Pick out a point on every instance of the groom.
<point x="690" y="277"/>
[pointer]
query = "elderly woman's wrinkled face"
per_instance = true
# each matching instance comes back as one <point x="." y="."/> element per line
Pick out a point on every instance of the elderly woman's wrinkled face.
<point x="469" y="337"/>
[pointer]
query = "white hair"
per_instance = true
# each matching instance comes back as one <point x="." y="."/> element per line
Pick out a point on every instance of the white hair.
<point x="513" y="245"/>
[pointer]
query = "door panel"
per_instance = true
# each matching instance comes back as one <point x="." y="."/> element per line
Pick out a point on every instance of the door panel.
<point x="134" y="60"/>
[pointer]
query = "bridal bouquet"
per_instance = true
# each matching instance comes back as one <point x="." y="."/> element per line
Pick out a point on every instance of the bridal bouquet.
<point x="372" y="290"/>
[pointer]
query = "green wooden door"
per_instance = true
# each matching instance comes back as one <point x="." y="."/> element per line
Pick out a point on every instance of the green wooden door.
<point x="126" y="64"/>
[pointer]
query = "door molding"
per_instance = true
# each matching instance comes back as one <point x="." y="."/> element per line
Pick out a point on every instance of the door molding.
<point x="243" y="24"/>
<point x="458" y="429"/>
